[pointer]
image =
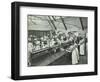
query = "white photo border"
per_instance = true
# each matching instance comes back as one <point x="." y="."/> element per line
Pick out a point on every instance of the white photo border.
<point x="42" y="70"/>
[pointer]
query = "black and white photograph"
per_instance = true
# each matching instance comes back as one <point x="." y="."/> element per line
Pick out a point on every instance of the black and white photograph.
<point x="57" y="40"/>
<point x="53" y="40"/>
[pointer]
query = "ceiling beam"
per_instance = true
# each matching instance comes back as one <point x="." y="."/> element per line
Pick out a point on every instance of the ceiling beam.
<point x="63" y="23"/>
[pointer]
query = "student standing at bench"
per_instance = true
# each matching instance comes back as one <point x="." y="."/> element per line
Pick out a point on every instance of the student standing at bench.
<point x="75" y="53"/>
<point x="30" y="49"/>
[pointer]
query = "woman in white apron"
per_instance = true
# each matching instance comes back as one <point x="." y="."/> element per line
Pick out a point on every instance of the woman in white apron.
<point x="82" y="46"/>
<point x="37" y="45"/>
<point x="75" y="53"/>
<point x="30" y="49"/>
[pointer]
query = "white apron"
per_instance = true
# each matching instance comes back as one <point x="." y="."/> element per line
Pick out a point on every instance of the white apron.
<point x="30" y="48"/>
<point x="75" y="56"/>
<point x="82" y="49"/>
<point x="82" y="46"/>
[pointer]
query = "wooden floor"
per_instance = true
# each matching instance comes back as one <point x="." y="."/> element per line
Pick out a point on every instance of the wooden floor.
<point x="60" y="58"/>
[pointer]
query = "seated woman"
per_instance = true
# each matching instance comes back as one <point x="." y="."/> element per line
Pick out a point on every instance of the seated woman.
<point x="45" y="45"/>
<point x="37" y="45"/>
<point x="52" y="42"/>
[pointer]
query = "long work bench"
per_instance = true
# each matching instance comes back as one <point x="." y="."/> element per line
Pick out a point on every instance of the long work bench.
<point x="47" y="56"/>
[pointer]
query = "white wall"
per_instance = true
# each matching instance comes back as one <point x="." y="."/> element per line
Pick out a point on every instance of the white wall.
<point x="5" y="41"/>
